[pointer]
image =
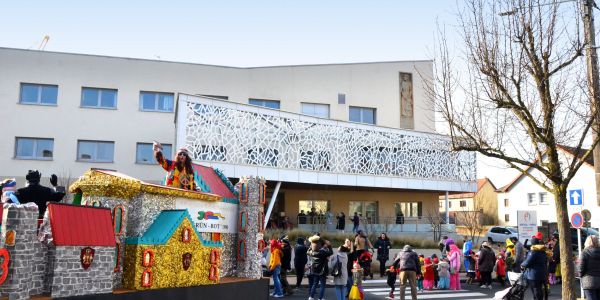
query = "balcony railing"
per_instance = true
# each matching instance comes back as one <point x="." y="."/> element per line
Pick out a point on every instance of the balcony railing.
<point x="238" y="134"/>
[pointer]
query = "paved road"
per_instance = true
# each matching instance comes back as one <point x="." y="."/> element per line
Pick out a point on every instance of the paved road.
<point x="378" y="289"/>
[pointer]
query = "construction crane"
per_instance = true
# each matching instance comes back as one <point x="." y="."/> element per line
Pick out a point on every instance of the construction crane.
<point x="44" y="43"/>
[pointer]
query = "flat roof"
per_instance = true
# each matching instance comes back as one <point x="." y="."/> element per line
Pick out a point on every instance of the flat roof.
<point x="211" y="65"/>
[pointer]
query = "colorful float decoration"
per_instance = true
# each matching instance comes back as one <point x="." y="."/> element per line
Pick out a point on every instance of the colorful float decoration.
<point x="87" y="257"/>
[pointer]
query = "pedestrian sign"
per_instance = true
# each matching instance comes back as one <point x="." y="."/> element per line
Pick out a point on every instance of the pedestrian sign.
<point x="576" y="197"/>
<point x="576" y="220"/>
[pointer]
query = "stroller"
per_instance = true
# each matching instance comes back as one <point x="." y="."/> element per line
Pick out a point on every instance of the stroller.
<point x="364" y="260"/>
<point x="517" y="289"/>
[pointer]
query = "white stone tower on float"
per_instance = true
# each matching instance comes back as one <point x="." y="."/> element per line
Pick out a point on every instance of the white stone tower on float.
<point x="251" y="216"/>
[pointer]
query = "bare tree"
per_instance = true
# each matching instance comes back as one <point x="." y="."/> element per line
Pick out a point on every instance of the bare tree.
<point x="472" y="220"/>
<point x="437" y="222"/>
<point x="516" y="92"/>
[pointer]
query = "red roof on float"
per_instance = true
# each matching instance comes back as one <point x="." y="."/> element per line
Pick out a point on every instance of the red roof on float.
<point x="74" y="225"/>
<point x="214" y="181"/>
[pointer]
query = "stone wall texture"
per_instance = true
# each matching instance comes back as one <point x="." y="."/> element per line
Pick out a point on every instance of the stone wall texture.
<point x="70" y="279"/>
<point x="23" y="220"/>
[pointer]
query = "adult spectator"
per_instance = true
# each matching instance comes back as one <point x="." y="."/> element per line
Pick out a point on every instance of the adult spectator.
<point x="341" y="280"/>
<point x="442" y="245"/>
<point x="535" y="268"/>
<point x="383" y="246"/>
<point x="286" y="264"/>
<point x="400" y="218"/>
<point x="341" y="221"/>
<point x="319" y="253"/>
<point x="589" y="268"/>
<point x="356" y="222"/>
<point x="454" y="256"/>
<point x="300" y="260"/>
<point x="362" y="243"/>
<point x="519" y="256"/>
<point x="407" y="262"/>
<point x="351" y="259"/>
<point x="39" y="194"/>
<point x="312" y="215"/>
<point x="554" y="261"/>
<point x="487" y="260"/>
<point x="302" y="217"/>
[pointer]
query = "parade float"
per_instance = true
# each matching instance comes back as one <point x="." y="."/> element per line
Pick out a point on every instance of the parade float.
<point x="128" y="239"/>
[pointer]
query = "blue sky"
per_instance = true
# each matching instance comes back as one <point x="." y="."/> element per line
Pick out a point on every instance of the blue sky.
<point x="237" y="33"/>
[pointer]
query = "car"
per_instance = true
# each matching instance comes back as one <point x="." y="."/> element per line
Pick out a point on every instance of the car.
<point x="499" y="234"/>
<point x="585" y="231"/>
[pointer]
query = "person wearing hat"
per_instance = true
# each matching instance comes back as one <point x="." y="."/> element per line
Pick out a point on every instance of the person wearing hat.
<point x="180" y="171"/>
<point x="286" y="263"/>
<point x="535" y="267"/>
<point x="275" y="267"/>
<point x="319" y="253"/>
<point x="9" y="187"/>
<point x="39" y="194"/>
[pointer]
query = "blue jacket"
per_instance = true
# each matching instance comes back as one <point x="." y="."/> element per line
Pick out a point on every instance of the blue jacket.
<point x="535" y="263"/>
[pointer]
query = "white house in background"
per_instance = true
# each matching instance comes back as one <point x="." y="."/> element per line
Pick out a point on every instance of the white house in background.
<point x="524" y="194"/>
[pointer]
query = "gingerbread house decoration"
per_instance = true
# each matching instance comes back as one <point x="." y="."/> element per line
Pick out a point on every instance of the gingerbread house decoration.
<point x="171" y="253"/>
<point x="82" y="253"/>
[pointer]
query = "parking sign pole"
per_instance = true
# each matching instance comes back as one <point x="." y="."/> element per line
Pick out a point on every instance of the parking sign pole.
<point x="579" y="259"/>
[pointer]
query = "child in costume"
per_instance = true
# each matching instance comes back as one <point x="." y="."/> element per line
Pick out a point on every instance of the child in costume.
<point x="436" y="276"/>
<point x="428" y="279"/>
<point x="275" y="268"/>
<point x="444" y="273"/>
<point x="420" y="277"/>
<point x="472" y="264"/>
<point x="500" y="268"/>
<point x="392" y="274"/>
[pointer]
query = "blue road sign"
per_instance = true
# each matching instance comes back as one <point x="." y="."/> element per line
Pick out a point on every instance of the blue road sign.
<point x="576" y="197"/>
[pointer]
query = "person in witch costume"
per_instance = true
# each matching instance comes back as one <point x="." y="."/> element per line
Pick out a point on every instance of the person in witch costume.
<point x="180" y="171"/>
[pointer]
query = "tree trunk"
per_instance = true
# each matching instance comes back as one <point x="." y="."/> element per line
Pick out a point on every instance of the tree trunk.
<point x="567" y="268"/>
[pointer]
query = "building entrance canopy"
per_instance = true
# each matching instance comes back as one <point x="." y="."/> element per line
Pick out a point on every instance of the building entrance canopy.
<point x="246" y="140"/>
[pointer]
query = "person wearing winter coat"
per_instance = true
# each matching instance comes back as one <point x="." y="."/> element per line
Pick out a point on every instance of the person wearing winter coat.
<point x="383" y="246"/>
<point x="535" y="268"/>
<point x="319" y="254"/>
<point x="467" y="247"/>
<point x="300" y="260"/>
<point x="407" y="261"/>
<point x="500" y="269"/>
<point x="589" y="268"/>
<point x="486" y="262"/>
<point x="341" y="280"/>
<point x="519" y="254"/>
<point x="286" y="264"/>
<point x="275" y="267"/>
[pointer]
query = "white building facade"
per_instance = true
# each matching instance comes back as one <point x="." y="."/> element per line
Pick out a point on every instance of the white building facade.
<point x="524" y="194"/>
<point x="65" y="113"/>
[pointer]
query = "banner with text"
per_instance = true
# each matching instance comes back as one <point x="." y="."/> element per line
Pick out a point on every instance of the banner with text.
<point x="527" y="224"/>
<point x="211" y="216"/>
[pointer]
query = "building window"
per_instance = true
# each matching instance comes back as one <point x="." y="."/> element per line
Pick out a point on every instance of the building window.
<point x="506" y="217"/>
<point x="365" y="209"/>
<point x="42" y="94"/>
<point x="543" y="198"/>
<point x="144" y="153"/>
<point x="316" y="110"/>
<point x="409" y="209"/>
<point x="320" y="206"/>
<point x="449" y="203"/>
<point x="441" y="204"/>
<point x="274" y="104"/>
<point x="506" y="202"/>
<point x="211" y="153"/>
<point x="463" y="203"/>
<point x="95" y="151"/>
<point x="98" y="98"/>
<point x="153" y="101"/>
<point x="34" y="148"/>
<point x="315" y="160"/>
<point x="341" y="98"/>
<point x="263" y="157"/>
<point x="531" y="200"/>
<point x="362" y="115"/>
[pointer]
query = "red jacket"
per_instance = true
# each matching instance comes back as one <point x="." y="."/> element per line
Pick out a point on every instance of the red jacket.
<point x="500" y="267"/>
